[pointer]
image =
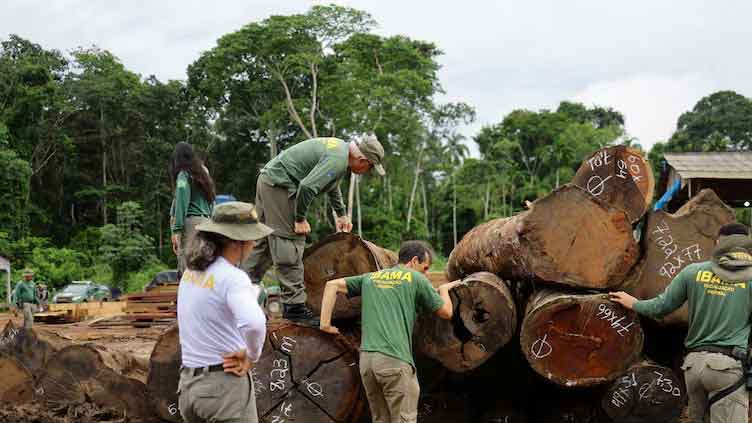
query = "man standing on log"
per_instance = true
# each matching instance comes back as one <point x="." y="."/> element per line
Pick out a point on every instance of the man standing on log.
<point x="284" y="191"/>
<point x="25" y="297"/>
<point x="390" y="300"/>
<point x="720" y="302"/>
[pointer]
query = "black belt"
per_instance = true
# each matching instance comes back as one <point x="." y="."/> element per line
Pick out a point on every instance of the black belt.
<point x="727" y="351"/>
<point x="197" y="371"/>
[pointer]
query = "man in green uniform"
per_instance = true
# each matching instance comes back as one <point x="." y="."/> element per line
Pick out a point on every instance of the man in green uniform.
<point x="284" y="191"/>
<point x="720" y="302"/>
<point x="25" y="297"/>
<point x="391" y="300"/>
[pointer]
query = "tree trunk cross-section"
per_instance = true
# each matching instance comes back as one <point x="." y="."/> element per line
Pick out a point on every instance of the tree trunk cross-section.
<point x="567" y="237"/>
<point x="579" y="340"/>
<point x="338" y="256"/>
<point x="164" y="374"/>
<point x="485" y="319"/>
<point x="32" y="348"/>
<point x="673" y="241"/>
<point x="620" y="176"/>
<point x="307" y="375"/>
<point x="647" y="393"/>
<point x="17" y="383"/>
<point x="78" y="374"/>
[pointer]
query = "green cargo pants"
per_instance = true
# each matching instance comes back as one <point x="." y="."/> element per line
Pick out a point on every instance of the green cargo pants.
<point x="216" y="397"/>
<point x="284" y="248"/>
<point x="391" y="388"/>
<point x="707" y="373"/>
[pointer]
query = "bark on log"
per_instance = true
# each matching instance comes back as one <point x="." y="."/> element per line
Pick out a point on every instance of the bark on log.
<point x="648" y="393"/>
<point x="79" y="374"/>
<point x="18" y="383"/>
<point x="504" y="412"/>
<point x="673" y="241"/>
<point x="579" y="340"/>
<point x="32" y="348"/>
<point x="566" y="237"/>
<point x="621" y="177"/>
<point x="568" y="407"/>
<point x="485" y="319"/>
<point x="164" y="374"/>
<point x="338" y="256"/>
<point x="303" y="374"/>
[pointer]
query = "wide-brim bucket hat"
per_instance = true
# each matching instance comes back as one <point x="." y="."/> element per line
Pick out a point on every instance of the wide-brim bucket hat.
<point x="236" y="220"/>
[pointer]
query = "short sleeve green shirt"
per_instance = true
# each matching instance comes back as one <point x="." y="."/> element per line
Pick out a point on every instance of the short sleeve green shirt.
<point x="391" y="301"/>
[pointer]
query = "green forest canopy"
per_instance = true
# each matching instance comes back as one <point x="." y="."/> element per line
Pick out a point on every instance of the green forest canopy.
<point x="85" y="142"/>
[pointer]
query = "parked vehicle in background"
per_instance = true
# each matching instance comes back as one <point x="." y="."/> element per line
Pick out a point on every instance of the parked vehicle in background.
<point x="82" y="292"/>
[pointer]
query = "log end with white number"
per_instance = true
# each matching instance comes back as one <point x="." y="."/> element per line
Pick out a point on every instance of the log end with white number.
<point x="647" y="393"/>
<point x="621" y="177"/>
<point x="577" y="340"/>
<point x="485" y="319"/>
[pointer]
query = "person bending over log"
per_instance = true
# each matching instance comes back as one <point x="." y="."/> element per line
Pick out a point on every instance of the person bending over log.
<point x="720" y="302"/>
<point x="222" y="328"/>
<point x="390" y="300"/>
<point x="285" y="190"/>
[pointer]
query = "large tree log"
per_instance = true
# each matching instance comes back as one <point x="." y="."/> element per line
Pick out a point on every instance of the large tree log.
<point x="485" y="318"/>
<point x="303" y="374"/>
<point x="337" y="256"/>
<point x="673" y="241"/>
<point x="17" y="382"/>
<point x="579" y="340"/>
<point x="620" y="176"/>
<point x="31" y="347"/>
<point x="443" y="407"/>
<point x="566" y="237"/>
<point x="648" y="393"/>
<point x="85" y="373"/>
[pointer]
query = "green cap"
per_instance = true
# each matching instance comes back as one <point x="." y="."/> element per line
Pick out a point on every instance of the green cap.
<point x="28" y="272"/>
<point x="374" y="152"/>
<point x="236" y="220"/>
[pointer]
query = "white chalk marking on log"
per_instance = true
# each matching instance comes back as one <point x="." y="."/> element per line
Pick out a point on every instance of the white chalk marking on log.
<point x="543" y="345"/>
<point x="599" y="186"/>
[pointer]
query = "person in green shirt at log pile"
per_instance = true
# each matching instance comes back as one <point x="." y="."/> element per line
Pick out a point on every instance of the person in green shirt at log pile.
<point x="285" y="189"/>
<point x="719" y="296"/>
<point x="25" y="298"/>
<point x="391" y="300"/>
<point x="194" y="195"/>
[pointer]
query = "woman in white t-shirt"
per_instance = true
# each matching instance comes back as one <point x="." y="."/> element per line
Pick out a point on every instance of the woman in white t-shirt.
<point x="222" y="326"/>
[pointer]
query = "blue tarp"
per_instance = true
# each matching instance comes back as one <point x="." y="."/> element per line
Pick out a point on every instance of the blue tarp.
<point x="673" y="189"/>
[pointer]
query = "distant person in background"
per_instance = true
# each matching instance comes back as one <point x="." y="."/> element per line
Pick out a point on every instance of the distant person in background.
<point x="194" y="194"/>
<point x="25" y="298"/>
<point x="222" y="326"/>
<point x="42" y="296"/>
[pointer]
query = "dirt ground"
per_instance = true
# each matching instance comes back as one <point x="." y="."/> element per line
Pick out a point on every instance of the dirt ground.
<point x="35" y="413"/>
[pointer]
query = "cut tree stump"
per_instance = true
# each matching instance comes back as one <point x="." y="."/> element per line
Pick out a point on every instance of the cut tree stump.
<point x="621" y="177"/>
<point x="577" y="340"/>
<point x="85" y="373"/>
<point x="337" y="256"/>
<point x="567" y="237"/>
<point x="303" y="374"/>
<point x="164" y="374"/>
<point x="648" y="393"/>
<point x="673" y="241"/>
<point x="485" y="319"/>
<point x="18" y="383"/>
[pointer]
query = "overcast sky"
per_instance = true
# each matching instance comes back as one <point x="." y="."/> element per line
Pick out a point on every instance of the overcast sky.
<point x="651" y="60"/>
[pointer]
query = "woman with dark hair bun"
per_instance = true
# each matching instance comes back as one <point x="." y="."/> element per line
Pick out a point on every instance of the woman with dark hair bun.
<point x="194" y="195"/>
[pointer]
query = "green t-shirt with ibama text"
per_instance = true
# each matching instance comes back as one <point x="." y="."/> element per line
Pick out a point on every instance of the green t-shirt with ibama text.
<point x="391" y="300"/>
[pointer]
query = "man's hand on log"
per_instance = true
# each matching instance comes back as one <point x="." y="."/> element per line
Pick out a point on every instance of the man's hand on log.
<point x="302" y="228"/>
<point x="237" y="363"/>
<point x="343" y="224"/>
<point x="623" y="298"/>
<point x="175" y="243"/>
<point x="329" y="329"/>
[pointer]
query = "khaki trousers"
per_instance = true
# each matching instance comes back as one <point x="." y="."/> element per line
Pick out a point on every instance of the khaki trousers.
<point x="391" y="388"/>
<point x="216" y="397"/>
<point x="189" y="231"/>
<point x="707" y="373"/>
<point x="284" y="249"/>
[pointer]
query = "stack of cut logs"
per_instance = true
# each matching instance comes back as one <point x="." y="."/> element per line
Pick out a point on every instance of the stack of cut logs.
<point x="534" y="337"/>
